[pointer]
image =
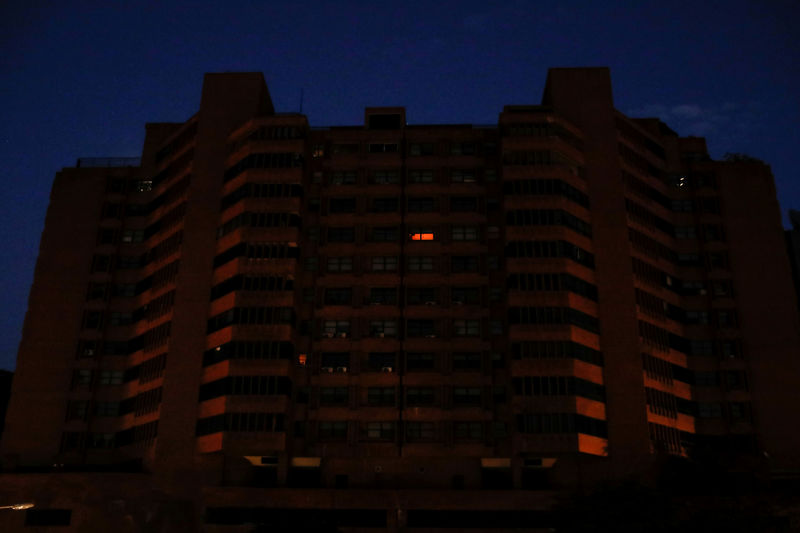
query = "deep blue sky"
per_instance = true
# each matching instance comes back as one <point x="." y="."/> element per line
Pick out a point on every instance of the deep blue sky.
<point x="81" y="79"/>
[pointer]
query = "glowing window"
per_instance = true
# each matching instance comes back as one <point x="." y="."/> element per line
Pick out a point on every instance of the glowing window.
<point x="422" y="236"/>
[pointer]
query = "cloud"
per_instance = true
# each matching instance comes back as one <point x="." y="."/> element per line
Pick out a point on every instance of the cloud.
<point x="726" y="125"/>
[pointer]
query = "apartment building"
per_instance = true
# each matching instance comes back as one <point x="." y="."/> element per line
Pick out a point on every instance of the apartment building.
<point x="389" y="326"/>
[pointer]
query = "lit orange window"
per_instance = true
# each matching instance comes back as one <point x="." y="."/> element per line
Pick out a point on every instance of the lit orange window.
<point x="422" y="236"/>
<point x="301" y="359"/>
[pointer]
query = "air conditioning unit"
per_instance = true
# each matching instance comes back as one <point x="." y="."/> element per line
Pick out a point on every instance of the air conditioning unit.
<point x="378" y="469"/>
<point x="328" y="335"/>
<point x="458" y="302"/>
<point x="431" y="336"/>
<point x="341" y="369"/>
<point x="326" y="370"/>
<point x="430" y="303"/>
<point x="381" y="335"/>
<point x="343" y="335"/>
<point x="386" y="369"/>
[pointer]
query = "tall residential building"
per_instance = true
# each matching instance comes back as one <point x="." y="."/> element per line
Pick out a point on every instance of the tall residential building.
<point x="391" y="325"/>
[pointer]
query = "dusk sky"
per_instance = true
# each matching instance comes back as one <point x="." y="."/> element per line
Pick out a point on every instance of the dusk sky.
<point x="81" y="79"/>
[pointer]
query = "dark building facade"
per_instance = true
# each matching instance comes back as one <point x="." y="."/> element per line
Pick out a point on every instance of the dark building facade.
<point x="394" y="326"/>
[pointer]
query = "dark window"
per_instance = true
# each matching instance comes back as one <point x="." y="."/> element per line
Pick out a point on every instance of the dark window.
<point x="339" y="296"/>
<point x="420" y="396"/>
<point x="385" y="205"/>
<point x="380" y="396"/>
<point x="420" y="328"/>
<point x="463" y="203"/>
<point x="461" y="263"/>
<point x="421" y="296"/>
<point x="420" y="361"/>
<point x="342" y="205"/>
<point x="421" y="205"/>
<point x="382" y="361"/>
<point x="334" y="396"/>
<point x="341" y="234"/>
<point x="383" y="296"/>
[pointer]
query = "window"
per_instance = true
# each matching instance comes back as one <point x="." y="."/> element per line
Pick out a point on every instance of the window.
<point x="340" y="264"/>
<point x="420" y="149"/>
<point x="467" y="361"/>
<point x="383" y="328"/>
<point x="342" y="205"/>
<point x="379" y="430"/>
<point x="332" y="430"/>
<point x="465" y="233"/>
<point x="100" y="441"/>
<point x="334" y="396"/>
<point x="131" y="236"/>
<point x="106" y="409"/>
<point x="336" y="328"/>
<point x="111" y="377"/>
<point x="92" y="320"/>
<point x="339" y="296"/>
<point x="420" y="396"/>
<point x="101" y="263"/>
<point x="463" y="176"/>
<point x="81" y="377"/>
<point x="420" y="328"/>
<point x="345" y="148"/>
<point x="142" y="186"/>
<point x="384" y="177"/>
<point x="421" y="205"/>
<point x="77" y="410"/>
<point x="97" y="291"/>
<point x="383" y="295"/>
<point x="462" y="148"/>
<point x="463" y="204"/>
<point x="709" y="410"/>
<point x="106" y="236"/>
<point x="120" y="319"/>
<point x="386" y="234"/>
<point x="706" y="379"/>
<point x="697" y="317"/>
<point x="123" y="290"/>
<point x="468" y="430"/>
<point x="380" y="396"/>
<point x="385" y="205"/>
<point x="465" y="295"/>
<point x="466" y="328"/>
<point x="495" y="327"/>
<point x="382" y="361"/>
<point x="466" y="396"/>
<point x="420" y="361"/>
<point x="310" y="264"/>
<point x="495" y="294"/>
<point x="344" y="178"/>
<point x="421" y="296"/>
<point x="382" y="148"/>
<point x="420" y="431"/>
<point x="384" y="264"/>
<point x="317" y="151"/>
<point x="420" y="264"/>
<point x="341" y="234"/>
<point x="422" y="234"/>
<point x="460" y="263"/>
<point x="420" y="176"/>
<point x="685" y="232"/>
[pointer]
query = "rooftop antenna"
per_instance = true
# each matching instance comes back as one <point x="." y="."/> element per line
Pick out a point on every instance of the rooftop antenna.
<point x="301" y="100"/>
